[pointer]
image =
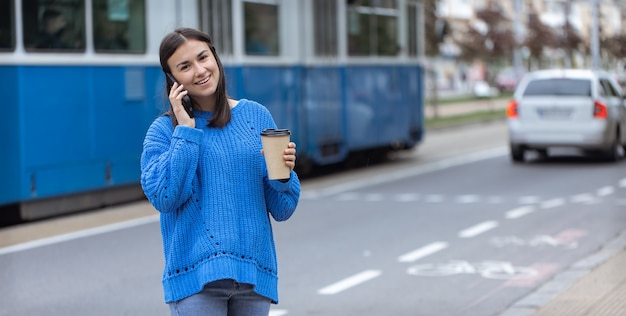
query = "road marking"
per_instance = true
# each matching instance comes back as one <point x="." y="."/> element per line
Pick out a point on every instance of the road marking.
<point x="407" y="197"/>
<point x="374" y="197"/>
<point x="79" y="234"/>
<point x="582" y="198"/>
<point x="347" y="196"/>
<point x="423" y="252"/>
<point x="494" y="200"/>
<point x="413" y="171"/>
<point x="478" y="229"/>
<point x="622" y="183"/>
<point x="277" y="312"/>
<point x="529" y="199"/>
<point x="350" y="282"/>
<point x="604" y="191"/>
<point x="469" y="198"/>
<point x="434" y="198"/>
<point x="519" y="212"/>
<point x="543" y="269"/>
<point x="552" y="203"/>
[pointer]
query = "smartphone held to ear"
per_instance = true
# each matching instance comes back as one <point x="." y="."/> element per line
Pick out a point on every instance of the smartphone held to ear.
<point x="186" y="99"/>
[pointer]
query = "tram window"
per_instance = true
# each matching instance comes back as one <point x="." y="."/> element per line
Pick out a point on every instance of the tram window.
<point x="372" y="28"/>
<point x="119" y="26"/>
<point x="216" y="20"/>
<point x="54" y="25"/>
<point x="414" y="19"/>
<point x="261" y="28"/>
<point x="325" y="27"/>
<point x="7" y="31"/>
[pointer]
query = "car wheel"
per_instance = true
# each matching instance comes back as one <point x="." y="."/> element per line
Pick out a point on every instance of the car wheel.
<point x="612" y="154"/>
<point x="543" y="153"/>
<point x="517" y="154"/>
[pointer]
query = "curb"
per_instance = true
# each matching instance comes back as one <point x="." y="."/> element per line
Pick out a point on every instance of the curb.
<point x="564" y="280"/>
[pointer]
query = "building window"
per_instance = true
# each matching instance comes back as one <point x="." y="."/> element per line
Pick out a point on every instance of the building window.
<point x="216" y="20"/>
<point x="54" y="26"/>
<point x="325" y="27"/>
<point x="261" y="28"/>
<point x="119" y="26"/>
<point x="372" y="28"/>
<point x="7" y="29"/>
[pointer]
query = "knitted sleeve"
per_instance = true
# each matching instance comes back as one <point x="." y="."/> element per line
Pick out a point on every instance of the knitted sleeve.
<point x="282" y="198"/>
<point x="168" y="164"/>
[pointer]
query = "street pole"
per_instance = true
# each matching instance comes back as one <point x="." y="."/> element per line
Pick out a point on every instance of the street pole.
<point x="517" y="29"/>
<point x="595" y="36"/>
<point x="567" y="7"/>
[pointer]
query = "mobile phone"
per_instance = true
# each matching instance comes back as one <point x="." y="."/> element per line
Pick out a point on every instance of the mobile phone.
<point x="186" y="99"/>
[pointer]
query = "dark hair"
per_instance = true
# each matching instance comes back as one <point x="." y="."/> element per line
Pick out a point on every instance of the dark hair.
<point x="169" y="45"/>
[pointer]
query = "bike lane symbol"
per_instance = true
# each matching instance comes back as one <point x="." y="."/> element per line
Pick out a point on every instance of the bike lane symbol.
<point x="500" y="270"/>
<point x="567" y="239"/>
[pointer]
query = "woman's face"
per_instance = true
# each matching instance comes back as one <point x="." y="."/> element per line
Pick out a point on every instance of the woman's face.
<point x="194" y="66"/>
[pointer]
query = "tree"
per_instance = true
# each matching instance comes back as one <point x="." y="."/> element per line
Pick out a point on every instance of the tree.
<point x="539" y="36"/>
<point x="490" y="39"/>
<point x="430" y="30"/>
<point x="569" y="39"/>
<point x="614" y="45"/>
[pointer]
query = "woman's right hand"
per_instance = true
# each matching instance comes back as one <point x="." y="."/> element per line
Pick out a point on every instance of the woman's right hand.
<point x="177" y="93"/>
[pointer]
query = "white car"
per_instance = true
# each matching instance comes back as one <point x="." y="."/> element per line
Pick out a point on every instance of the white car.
<point x="576" y="108"/>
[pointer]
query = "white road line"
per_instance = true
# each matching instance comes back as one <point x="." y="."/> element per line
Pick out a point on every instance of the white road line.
<point x="79" y="234"/>
<point x="414" y="171"/>
<point x="469" y="198"/>
<point x="423" y="252"/>
<point x="407" y="197"/>
<point x="622" y="183"/>
<point x="552" y="203"/>
<point x="582" y="198"/>
<point x="434" y="198"/>
<point x="494" y="200"/>
<point x="374" y="197"/>
<point x="277" y="312"/>
<point x="478" y="229"/>
<point x="529" y="199"/>
<point x="604" y="191"/>
<point x="519" y="212"/>
<point x="347" y="196"/>
<point x="349" y="282"/>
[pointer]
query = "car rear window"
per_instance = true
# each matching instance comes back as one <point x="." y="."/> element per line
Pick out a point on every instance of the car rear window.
<point x="560" y="86"/>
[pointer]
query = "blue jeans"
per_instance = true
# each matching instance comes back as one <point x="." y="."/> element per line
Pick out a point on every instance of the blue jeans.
<point x="225" y="298"/>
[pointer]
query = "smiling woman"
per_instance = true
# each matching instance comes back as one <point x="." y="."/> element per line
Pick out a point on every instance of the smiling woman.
<point x="206" y="174"/>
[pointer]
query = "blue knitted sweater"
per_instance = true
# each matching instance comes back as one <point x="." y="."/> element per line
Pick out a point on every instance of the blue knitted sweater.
<point x="211" y="188"/>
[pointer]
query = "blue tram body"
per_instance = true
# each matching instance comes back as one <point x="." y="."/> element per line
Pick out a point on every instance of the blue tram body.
<point x="74" y="126"/>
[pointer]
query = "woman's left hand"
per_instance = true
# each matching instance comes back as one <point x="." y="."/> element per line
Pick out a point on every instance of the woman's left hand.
<point x="290" y="155"/>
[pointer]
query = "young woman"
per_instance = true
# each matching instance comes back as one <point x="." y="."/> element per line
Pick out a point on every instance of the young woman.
<point x="205" y="173"/>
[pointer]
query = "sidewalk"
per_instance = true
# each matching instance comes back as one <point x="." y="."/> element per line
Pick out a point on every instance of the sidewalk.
<point x="593" y="286"/>
<point x="477" y="105"/>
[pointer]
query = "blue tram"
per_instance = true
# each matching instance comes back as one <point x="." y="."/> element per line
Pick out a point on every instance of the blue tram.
<point x="81" y="83"/>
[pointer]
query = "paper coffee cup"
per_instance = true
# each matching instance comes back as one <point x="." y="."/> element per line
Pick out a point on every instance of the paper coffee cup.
<point x="275" y="141"/>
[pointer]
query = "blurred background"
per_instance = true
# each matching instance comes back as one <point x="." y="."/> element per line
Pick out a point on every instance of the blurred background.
<point x="410" y="204"/>
<point x="322" y="67"/>
<point x="498" y="41"/>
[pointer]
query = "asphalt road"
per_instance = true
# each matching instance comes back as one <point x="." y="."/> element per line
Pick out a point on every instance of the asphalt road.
<point x="452" y="228"/>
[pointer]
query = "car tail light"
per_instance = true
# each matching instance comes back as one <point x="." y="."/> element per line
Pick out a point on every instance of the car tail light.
<point x="512" y="109"/>
<point x="599" y="110"/>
